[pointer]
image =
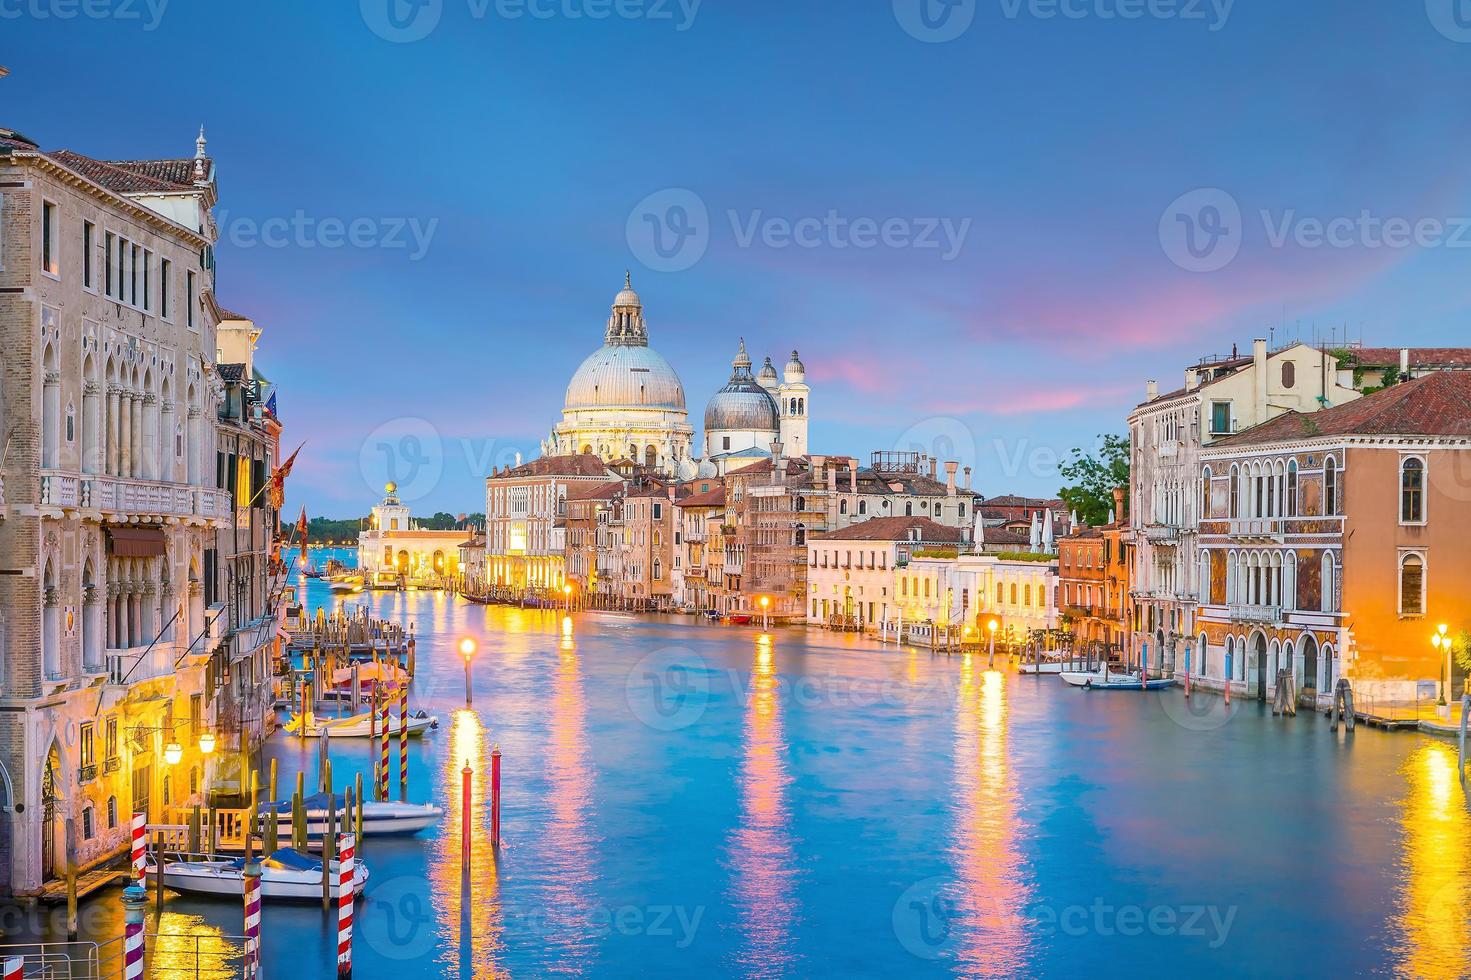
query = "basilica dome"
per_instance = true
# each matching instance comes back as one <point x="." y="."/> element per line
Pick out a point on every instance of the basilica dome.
<point x="743" y="405"/>
<point x="625" y="372"/>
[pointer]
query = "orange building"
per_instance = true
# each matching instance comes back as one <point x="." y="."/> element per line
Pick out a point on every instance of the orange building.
<point x="1333" y="545"/>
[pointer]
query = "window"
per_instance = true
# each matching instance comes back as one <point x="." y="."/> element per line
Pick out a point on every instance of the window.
<point x="1330" y="589"/>
<point x="112" y="813"/>
<point x="109" y="261"/>
<point x="1412" y="585"/>
<point x="89" y="236"/>
<point x="50" y="244"/>
<point x="109" y="739"/>
<point x="725" y="442"/>
<point x="1330" y="486"/>
<point x="1235" y="493"/>
<point x="1412" y="491"/>
<point x="89" y="820"/>
<point x="133" y="274"/>
<point x="147" y="280"/>
<point x="189" y="299"/>
<point x="86" y="749"/>
<point x="165" y="269"/>
<point x="1291" y="502"/>
<point x="658" y="514"/>
<point x="1220" y="418"/>
<point x="1205" y="493"/>
<point x="1289" y="374"/>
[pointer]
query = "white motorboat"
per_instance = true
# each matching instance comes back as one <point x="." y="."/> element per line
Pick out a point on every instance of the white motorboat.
<point x="1041" y="667"/>
<point x="287" y="874"/>
<point x="360" y="725"/>
<point x="380" y="819"/>
<point x="1106" y="679"/>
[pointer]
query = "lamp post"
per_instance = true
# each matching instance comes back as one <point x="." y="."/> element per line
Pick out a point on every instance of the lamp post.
<point x="567" y="597"/>
<point x="991" y="629"/>
<point x="765" y="605"/>
<point x="467" y="650"/>
<point x="1443" y="642"/>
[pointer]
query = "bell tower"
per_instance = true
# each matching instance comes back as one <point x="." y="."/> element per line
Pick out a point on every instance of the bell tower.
<point x="792" y="397"/>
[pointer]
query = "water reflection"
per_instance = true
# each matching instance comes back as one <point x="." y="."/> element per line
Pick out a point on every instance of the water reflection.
<point x="188" y="946"/>
<point x="1436" y="895"/>
<point x="568" y="845"/>
<point x="761" y="845"/>
<point x="485" y="940"/>
<point x="988" y="908"/>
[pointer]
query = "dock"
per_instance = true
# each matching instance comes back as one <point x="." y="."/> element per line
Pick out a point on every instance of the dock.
<point x="54" y="891"/>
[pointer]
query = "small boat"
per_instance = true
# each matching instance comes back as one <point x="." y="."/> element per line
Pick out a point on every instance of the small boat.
<point x="1041" y="666"/>
<point x="286" y="874"/>
<point x="346" y="584"/>
<point x="380" y="818"/>
<point x="359" y="726"/>
<point x="739" y="620"/>
<point x="1114" y="680"/>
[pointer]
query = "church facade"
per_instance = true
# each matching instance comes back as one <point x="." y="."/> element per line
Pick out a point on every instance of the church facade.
<point x="626" y="404"/>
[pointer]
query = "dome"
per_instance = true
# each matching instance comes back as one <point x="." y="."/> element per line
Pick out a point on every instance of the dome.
<point x="623" y="376"/>
<point x="743" y="405"/>
<point x="626" y="296"/>
<point x="795" y="369"/>
<point x="768" y="375"/>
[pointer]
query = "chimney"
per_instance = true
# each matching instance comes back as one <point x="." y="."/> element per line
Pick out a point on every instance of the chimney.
<point x="1151" y="390"/>
<point x="967" y="478"/>
<point x="832" y="479"/>
<point x="1404" y="364"/>
<point x="778" y="464"/>
<point x="852" y="476"/>
<point x="1259" y="379"/>
<point x="1118" y="505"/>
<point x="1192" y="380"/>
<point x="934" y="468"/>
<point x="950" y="468"/>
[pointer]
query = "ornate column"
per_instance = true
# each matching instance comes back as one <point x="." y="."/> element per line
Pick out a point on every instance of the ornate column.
<point x="168" y="460"/>
<point x="92" y="634"/>
<point x="135" y="416"/>
<point x="192" y="447"/>
<point x="125" y="433"/>
<point x="150" y="467"/>
<point x="91" y="453"/>
<point x="113" y="397"/>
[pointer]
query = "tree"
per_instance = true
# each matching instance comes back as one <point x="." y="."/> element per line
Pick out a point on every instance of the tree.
<point x="1093" y="476"/>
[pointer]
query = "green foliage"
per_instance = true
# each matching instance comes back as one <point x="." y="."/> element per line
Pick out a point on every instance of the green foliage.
<point x="1026" y="555"/>
<point x="1462" y="650"/>
<point x="1092" y="478"/>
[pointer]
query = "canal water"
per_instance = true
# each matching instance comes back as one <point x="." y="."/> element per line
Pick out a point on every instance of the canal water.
<point x="685" y="799"/>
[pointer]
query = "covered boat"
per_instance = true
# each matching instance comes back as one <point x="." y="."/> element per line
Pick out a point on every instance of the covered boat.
<point x="1114" y="680"/>
<point x="380" y="819"/>
<point x="287" y="874"/>
<point x="358" y="726"/>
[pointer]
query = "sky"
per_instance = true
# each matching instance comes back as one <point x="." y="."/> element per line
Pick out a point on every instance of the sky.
<point x="984" y="223"/>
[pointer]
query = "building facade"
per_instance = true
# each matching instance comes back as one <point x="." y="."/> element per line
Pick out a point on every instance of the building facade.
<point x="526" y="520"/>
<point x="394" y="551"/>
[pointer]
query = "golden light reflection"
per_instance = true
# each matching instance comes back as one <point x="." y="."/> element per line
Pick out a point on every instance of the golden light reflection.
<point x="188" y="946"/>
<point x="467" y="746"/>
<point x="1433" y="920"/>
<point x="994" y="888"/>
<point x="764" y="859"/>
<point x="567" y="841"/>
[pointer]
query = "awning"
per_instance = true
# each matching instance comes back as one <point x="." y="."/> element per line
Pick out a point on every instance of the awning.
<point x="136" y="542"/>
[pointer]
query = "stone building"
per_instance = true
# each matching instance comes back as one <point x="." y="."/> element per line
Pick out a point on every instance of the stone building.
<point x="135" y="596"/>
<point x="1332" y="545"/>
<point x="393" y="550"/>
<point x="526" y="520"/>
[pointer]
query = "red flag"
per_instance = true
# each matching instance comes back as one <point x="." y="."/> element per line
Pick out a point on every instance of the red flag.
<point x="277" y="487"/>
<point x="301" y="529"/>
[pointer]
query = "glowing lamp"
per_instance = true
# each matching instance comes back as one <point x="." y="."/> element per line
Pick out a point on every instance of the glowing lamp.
<point x="467" y="648"/>
<point x="172" y="753"/>
<point x="207" y="743"/>
<point x="992" y="625"/>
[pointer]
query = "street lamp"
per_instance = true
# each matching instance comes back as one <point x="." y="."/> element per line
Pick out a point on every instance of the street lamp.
<point x="765" y="604"/>
<point x="567" y="596"/>
<point x="991" y="629"/>
<point x="172" y="753"/>
<point x="1443" y="642"/>
<point x="207" y="743"/>
<point x="467" y="650"/>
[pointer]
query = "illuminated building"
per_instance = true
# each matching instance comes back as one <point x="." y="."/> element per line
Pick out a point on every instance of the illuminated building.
<point x="393" y="548"/>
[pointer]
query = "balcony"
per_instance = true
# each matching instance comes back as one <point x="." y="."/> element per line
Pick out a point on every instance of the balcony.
<point x="130" y="666"/>
<point x="1243" y="613"/>
<point x="112" y="765"/>
<point x="1169" y="449"/>
<point x="87" y="773"/>
<point x="113" y="495"/>
<point x="1162" y="533"/>
<point x="1265" y="529"/>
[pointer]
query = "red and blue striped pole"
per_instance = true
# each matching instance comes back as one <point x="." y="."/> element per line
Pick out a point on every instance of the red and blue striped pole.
<point x="403" y="744"/>
<point x="383" y="758"/>
<point x="252" y="920"/>
<point x="10" y="968"/>
<point x="346" y="895"/>
<point x="140" y="844"/>
<point x="135" y="901"/>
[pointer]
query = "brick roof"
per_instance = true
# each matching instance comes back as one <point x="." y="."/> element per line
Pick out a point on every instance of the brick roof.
<point x="1438" y="404"/>
<point x="896" y="529"/>
<point x="1420" y="357"/>
<point x="132" y="176"/>
<point x="233" y="372"/>
<point x="578" y="465"/>
<point x="228" y="315"/>
<point x="1007" y="535"/>
<point x="598" y="491"/>
<point x="1012" y="500"/>
<point x="714" y="497"/>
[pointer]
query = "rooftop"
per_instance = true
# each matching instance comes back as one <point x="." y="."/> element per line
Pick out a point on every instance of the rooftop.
<point x="1437" y="404"/>
<point x="897" y="529"/>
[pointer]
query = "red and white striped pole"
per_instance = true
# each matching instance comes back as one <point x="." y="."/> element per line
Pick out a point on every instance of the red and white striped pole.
<point x="383" y="758"/>
<point x="135" y="901"/>
<point x="10" y="969"/>
<point x="403" y="744"/>
<point x="140" y="845"/>
<point x="252" y="921"/>
<point x="495" y="797"/>
<point x="346" y="895"/>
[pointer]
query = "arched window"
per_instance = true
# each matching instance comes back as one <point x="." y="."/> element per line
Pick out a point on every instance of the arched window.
<point x="1026" y="595"/>
<point x="1235" y="491"/>
<point x="1329" y="586"/>
<point x="1291" y="503"/>
<point x="1412" y="585"/>
<point x="862" y="506"/>
<point x="1289" y="374"/>
<point x="1412" y="491"/>
<point x="1205" y="493"/>
<point x="1013" y="593"/>
<point x="1204" y="591"/>
<point x="1330" y="486"/>
<point x="842" y="506"/>
<point x="1289" y="581"/>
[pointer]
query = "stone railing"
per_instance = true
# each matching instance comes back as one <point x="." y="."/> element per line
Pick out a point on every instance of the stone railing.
<point x="1256" y="528"/>
<point x="128" y="666"/>
<point x="60" y="489"/>
<point x="1245" y="613"/>
<point x="1161" y="533"/>
<point x="123" y="495"/>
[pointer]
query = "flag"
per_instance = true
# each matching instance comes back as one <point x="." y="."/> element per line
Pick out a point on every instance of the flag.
<point x="271" y="405"/>
<point x="277" y="487"/>
<point x="301" y="529"/>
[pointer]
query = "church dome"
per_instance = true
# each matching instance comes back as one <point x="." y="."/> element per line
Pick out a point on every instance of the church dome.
<point x="622" y="376"/>
<point x="625" y="373"/>
<point x="743" y="405"/>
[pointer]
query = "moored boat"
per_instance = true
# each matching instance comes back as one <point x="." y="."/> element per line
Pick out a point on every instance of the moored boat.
<point x="359" y="726"/>
<point x="380" y="818"/>
<point x="1114" y="680"/>
<point x="1041" y="666"/>
<point x="285" y="875"/>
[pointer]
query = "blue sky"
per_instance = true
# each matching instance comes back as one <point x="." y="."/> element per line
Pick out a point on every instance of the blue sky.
<point x="982" y="245"/>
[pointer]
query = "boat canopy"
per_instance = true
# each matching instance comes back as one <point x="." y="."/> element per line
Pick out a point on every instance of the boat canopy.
<point x="288" y="859"/>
